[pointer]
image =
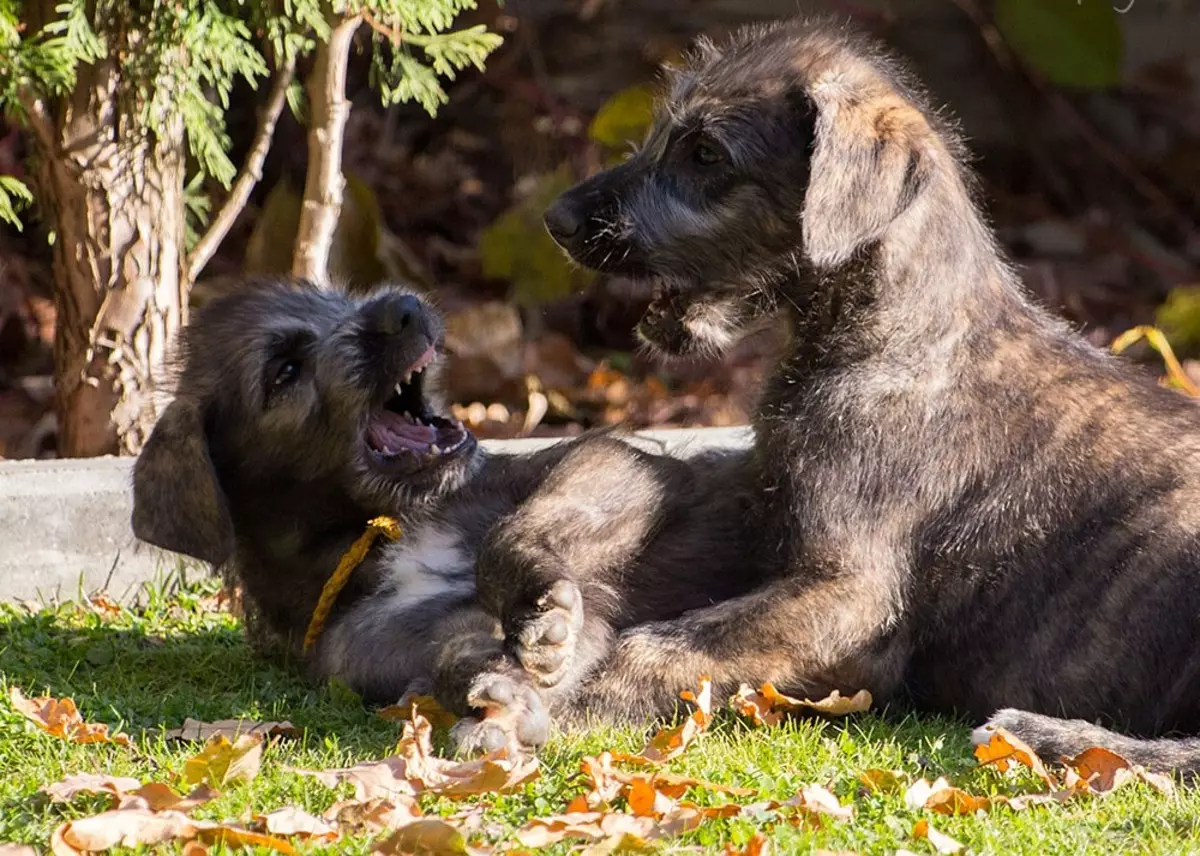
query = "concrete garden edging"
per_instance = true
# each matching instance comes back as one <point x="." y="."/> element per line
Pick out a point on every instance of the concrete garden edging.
<point x="64" y="524"/>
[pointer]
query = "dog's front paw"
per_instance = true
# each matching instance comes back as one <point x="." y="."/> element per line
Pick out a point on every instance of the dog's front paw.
<point x="545" y="641"/>
<point x="513" y="717"/>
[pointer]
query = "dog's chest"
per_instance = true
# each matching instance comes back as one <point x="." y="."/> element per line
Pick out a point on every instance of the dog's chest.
<point x="428" y="562"/>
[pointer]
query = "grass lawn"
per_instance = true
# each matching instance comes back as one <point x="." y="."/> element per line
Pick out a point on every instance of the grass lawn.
<point x="145" y="670"/>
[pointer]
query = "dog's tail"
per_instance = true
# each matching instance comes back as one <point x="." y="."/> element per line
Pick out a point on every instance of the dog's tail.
<point x="1054" y="739"/>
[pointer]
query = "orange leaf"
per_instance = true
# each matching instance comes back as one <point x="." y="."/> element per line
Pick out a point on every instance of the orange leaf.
<point x="424" y="705"/>
<point x="755" y="706"/>
<point x="670" y="743"/>
<point x="759" y="845"/>
<point x="156" y="796"/>
<point x="942" y="797"/>
<point x="591" y="825"/>
<point x="236" y="836"/>
<point x="1004" y="747"/>
<point x="834" y="704"/>
<point x="61" y="719"/>
<point x="941" y="842"/>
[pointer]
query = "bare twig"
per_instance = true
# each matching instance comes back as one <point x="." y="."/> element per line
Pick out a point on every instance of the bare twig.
<point x="250" y="175"/>
<point x="323" y="183"/>
<point x="39" y="119"/>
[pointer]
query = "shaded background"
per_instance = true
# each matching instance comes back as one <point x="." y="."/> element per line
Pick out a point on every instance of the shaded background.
<point x="1094" y="190"/>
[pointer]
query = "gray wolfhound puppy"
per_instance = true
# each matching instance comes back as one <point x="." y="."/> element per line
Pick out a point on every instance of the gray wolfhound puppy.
<point x="302" y="414"/>
<point x="965" y="502"/>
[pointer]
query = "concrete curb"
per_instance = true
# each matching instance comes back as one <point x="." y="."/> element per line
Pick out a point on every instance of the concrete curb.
<point x="64" y="524"/>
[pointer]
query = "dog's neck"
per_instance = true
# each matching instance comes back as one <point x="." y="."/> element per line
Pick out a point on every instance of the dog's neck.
<point x="935" y="280"/>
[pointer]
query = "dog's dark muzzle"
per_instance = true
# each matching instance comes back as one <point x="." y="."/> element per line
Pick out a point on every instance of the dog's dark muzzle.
<point x="586" y="222"/>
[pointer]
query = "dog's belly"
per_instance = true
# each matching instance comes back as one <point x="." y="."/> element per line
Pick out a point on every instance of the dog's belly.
<point x="426" y="564"/>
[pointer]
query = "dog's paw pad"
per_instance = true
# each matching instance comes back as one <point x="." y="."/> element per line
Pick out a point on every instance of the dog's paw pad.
<point x="545" y="642"/>
<point x="514" y="718"/>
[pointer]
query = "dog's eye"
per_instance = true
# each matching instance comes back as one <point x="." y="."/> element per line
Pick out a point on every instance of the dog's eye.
<point x="286" y="374"/>
<point x="707" y="153"/>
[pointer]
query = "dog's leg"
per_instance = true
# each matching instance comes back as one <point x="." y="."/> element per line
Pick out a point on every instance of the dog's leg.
<point x="551" y="570"/>
<point x="807" y="636"/>
<point x="473" y="677"/>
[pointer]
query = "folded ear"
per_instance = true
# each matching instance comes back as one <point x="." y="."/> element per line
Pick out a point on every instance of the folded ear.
<point x="866" y="169"/>
<point x="177" y="502"/>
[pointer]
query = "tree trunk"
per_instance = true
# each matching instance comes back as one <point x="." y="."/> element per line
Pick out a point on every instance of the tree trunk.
<point x="323" y="183"/>
<point x="115" y="195"/>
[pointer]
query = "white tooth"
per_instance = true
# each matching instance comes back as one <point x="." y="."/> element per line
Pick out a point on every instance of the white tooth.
<point x="398" y="390"/>
<point x="434" y="449"/>
<point x="408" y="377"/>
<point x="388" y="451"/>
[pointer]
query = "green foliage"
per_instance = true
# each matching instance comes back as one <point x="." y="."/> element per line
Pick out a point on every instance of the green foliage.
<point x="14" y="195"/>
<point x="516" y="247"/>
<point x="400" y="76"/>
<point x="179" y="61"/>
<point x="1179" y="318"/>
<point x="1071" y="42"/>
<point x="625" y="118"/>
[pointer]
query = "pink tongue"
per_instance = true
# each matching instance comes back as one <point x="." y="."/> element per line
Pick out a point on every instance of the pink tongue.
<point x="391" y="432"/>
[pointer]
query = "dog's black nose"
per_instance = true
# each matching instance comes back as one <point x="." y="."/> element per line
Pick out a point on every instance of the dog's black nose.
<point x="564" y="221"/>
<point x="394" y="313"/>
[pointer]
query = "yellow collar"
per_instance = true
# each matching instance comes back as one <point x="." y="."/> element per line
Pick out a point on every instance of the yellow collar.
<point x="341" y="575"/>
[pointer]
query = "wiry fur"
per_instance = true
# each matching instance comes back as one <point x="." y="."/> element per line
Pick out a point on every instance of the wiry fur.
<point x="965" y="503"/>
<point x="273" y="482"/>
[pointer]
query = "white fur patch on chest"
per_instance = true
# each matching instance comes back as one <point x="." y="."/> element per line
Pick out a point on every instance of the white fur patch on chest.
<point x="425" y="563"/>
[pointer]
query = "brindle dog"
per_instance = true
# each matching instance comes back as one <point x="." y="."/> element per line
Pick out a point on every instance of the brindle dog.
<point x="965" y="502"/>
<point x="300" y="414"/>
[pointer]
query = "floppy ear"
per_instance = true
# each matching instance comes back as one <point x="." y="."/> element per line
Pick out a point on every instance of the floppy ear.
<point x="177" y="503"/>
<point x="866" y="169"/>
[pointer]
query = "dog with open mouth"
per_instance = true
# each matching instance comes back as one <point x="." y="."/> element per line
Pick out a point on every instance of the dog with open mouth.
<point x="302" y="414"/>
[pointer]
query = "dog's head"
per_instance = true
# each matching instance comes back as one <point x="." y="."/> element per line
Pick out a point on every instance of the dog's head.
<point x="779" y="156"/>
<point x="290" y="394"/>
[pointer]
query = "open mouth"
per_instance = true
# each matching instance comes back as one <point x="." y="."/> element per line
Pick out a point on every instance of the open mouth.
<point x="405" y="428"/>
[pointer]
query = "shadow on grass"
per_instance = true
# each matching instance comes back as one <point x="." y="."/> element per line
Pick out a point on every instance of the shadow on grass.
<point x="135" y="680"/>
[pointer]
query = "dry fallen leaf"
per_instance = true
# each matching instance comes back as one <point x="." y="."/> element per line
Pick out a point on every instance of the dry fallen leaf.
<point x="236" y="836"/>
<point x="608" y="782"/>
<point x="292" y="822"/>
<point x="1101" y="771"/>
<point x="222" y="763"/>
<point x="17" y="850"/>
<point x="759" y="845"/>
<point x="755" y="706"/>
<point x="156" y="796"/>
<point x="767" y="706"/>
<point x="942" y="797"/>
<point x="61" y="718"/>
<point x="814" y="802"/>
<point x="127" y="828"/>
<point x="835" y="704"/>
<point x="425" y="705"/>
<point x="670" y="743"/>
<point x="941" y="842"/>
<point x="428" y="837"/>
<point x="90" y="783"/>
<point x="1003" y="748"/>
<point x="882" y="781"/>
<point x="375" y="815"/>
<point x="104" y="606"/>
<point x="590" y="825"/>
<point x="194" y="729"/>
<point x="416" y="770"/>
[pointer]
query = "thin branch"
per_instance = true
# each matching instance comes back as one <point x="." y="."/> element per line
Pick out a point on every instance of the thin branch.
<point x="323" y="182"/>
<point x="39" y="119"/>
<point x="250" y="175"/>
